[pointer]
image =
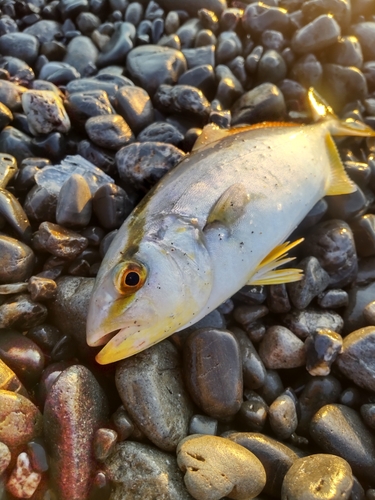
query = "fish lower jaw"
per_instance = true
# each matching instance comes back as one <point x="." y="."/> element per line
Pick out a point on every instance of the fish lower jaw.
<point x="99" y="339"/>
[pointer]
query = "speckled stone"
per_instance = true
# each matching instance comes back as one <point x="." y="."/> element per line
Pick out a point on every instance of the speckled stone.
<point x="322" y="349"/>
<point x="307" y="322"/>
<point x="17" y="260"/>
<point x="59" y="241"/>
<point x="5" y="457"/>
<point x="105" y="441"/>
<point x="215" y="467"/>
<point x="109" y="131"/>
<point x="45" y="112"/>
<point x="20" y="312"/>
<point x="23" y="480"/>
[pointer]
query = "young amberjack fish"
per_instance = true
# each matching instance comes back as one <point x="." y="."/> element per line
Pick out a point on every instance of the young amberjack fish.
<point x="215" y="223"/>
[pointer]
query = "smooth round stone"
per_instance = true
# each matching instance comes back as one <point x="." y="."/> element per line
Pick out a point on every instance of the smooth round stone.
<point x="259" y="17"/>
<point x="5" y="457"/>
<point x="109" y="131"/>
<point x="319" y="34"/>
<point x="332" y="243"/>
<point x="135" y="106"/>
<point x="40" y="204"/>
<point x="214" y="319"/>
<point x="20" y="45"/>
<point x="45" y="30"/>
<point x="213" y="371"/>
<point x="134" y="13"/>
<point x="320" y="476"/>
<point x="23" y="419"/>
<point x="45" y="336"/>
<point x="16" y="143"/>
<point x="22" y="313"/>
<point x="58" y="73"/>
<point x="339" y="429"/>
<point x="229" y="88"/>
<point x="341" y="82"/>
<point x="188" y="31"/>
<point x="278" y="299"/>
<point x="11" y="210"/>
<point x="253" y="414"/>
<point x="322" y="349"/>
<point x="37" y="455"/>
<point x="369" y="313"/>
<point x="123" y="424"/>
<point x="111" y="206"/>
<point x="364" y="234"/>
<point x="346" y="52"/>
<point x="150" y="66"/>
<point x="161" y="132"/>
<point x="308" y="71"/>
<point x="357" y="359"/>
<point x="307" y="322"/>
<point x="143" y="164"/>
<point x="252" y="60"/>
<point x="280" y="348"/>
<point x="365" y="32"/>
<point x="200" y="56"/>
<point x="104" y="443"/>
<point x="276" y="457"/>
<point x="75" y="407"/>
<point x="201" y="424"/>
<point x="263" y="103"/>
<point x="83" y="105"/>
<point x="45" y="112"/>
<point x="182" y="99"/>
<point x="74" y="205"/>
<point x="204" y="38"/>
<point x="360" y="172"/>
<point x="271" y="67"/>
<point x="283" y="416"/>
<point x="314" y="281"/>
<point x="272" y="387"/>
<point x="228" y="47"/>
<point x="359" y="296"/>
<point x="22" y="355"/>
<point x="215" y="467"/>
<point x="101" y="158"/>
<point x="116" y="50"/>
<point x="59" y="241"/>
<point x="17" y="260"/>
<point x="272" y="40"/>
<point x="368" y="414"/>
<point x="151" y="388"/>
<point x="171" y="41"/>
<point x="81" y="53"/>
<point x="141" y="468"/>
<point x="333" y="298"/>
<point x="71" y="8"/>
<point x="253" y="370"/>
<point x="87" y="22"/>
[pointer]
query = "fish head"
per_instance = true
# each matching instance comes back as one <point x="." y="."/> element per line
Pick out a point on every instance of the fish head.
<point x="148" y="286"/>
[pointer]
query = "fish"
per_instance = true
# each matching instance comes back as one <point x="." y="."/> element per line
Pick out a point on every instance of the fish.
<point x="215" y="223"/>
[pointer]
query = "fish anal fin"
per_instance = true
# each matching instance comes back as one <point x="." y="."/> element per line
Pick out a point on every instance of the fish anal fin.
<point x="266" y="272"/>
<point x="340" y="182"/>
<point x="230" y="206"/>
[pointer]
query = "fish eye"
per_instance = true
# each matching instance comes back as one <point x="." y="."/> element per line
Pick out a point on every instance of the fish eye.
<point x="129" y="277"/>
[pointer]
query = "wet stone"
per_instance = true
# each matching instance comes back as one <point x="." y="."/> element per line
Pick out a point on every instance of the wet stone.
<point x="357" y="358"/>
<point x="365" y="32"/>
<point x="13" y="288"/>
<point x="369" y="313"/>
<point x="272" y="387"/>
<point x="20" y="45"/>
<point x="16" y="143"/>
<point x="143" y="164"/>
<point x="102" y="158"/>
<point x="10" y="382"/>
<point x="59" y="241"/>
<point x="214" y="319"/>
<point x="307" y="322"/>
<point x="318" y="476"/>
<point x="364" y="235"/>
<point x="151" y="388"/>
<point x="278" y="299"/>
<point x="104" y="443"/>
<point x="84" y="105"/>
<point x="21" y="420"/>
<point x="253" y="414"/>
<point x="5" y="116"/>
<point x="253" y="370"/>
<point x="319" y="34"/>
<point x="259" y="17"/>
<point x="5" y="457"/>
<point x="23" y="480"/>
<point x="276" y="457"/>
<point x="215" y="467"/>
<point x="41" y="288"/>
<point x="17" y="260"/>
<point x="134" y="104"/>
<point x="333" y="298"/>
<point x="134" y="13"/>
<point x="37" y="455"/>
<point x="283" y="416"/>
<point x="150" y="66"/>
<point x="121" y="42"/>
<point x="74" y="409"/>
<point x="74" y="205"/>
<point x="21" y="312"/>
<point x="229" y="89"/>
<point x="263" y="103"/>
<point x="271" y="67"/>
<point x="280" y="348"/>
<point x="209" y="356"/>
<point x="109" y="131"/>
<point x="8" y="169"/>
<point x="201" y="424"/>
<point x="45" y="336"/>
<point x="322" y="349"/>
<point x="122" y="424"/>
<point x="81" y="54"/>
<point x="10" y="95"/>
<point x="368" y="414"/>
<point x="12" y="212"/>
<point x="22" y="355"/>
<point x="87" y="22"/>
<point x="346" y="52"/>
<point x="146" y="470"/>
<point x="111" y="206"/>
<point x="58" y="73"/>
<point x="45" y="30"/>
<point x="308" y="71"/>
<point x="332" y="243"/>
<point x="182" y="99"/>
<point x="228" y="47"/>
<point x="339" y="430"/>
<point x="40" y="205"/>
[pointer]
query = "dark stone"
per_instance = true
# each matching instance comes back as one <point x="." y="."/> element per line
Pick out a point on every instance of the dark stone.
<point x="364" y="234"/>
<point x="16" y="143"/>
<point x="161" y="132"/>
<point x="111" y="206"/>
<point x="253" y="370"/>
<point x="102" y="158"/>
<point x="17" y="260"/>
<point x="282" y="416"/>
<point x="308" y="71"/>
<point x="41" y="288"/>
<point x="11" y="210"/>
<point x="134" y="104"/>
<point x="109" y="131"/>
<point x="280" y="348"/>
<point x="45" y="336"/>
<point x="21" y="45"/>
<point x="74" y="203"/>
<point x="365" y="32"/>
<point x="340" y="82"/>
<point x="333" y="298"/>
<point x="22" y="313"/>
<point x="278" y="299"/>
<point x="229" y="89"/>
<point x="83" y="105"/>
<point x="307" y="322"/>
<point x="201" y="424"/>
<point x="59" y="241"/>
<point x="81" y="54"/>
<point x="259" y="17"/>
<point x="346" y="51"/>
<point x="319" y="34"/>
<point x="322" y="349"/>
<point x="271" y="67"/>
<point x="116" y="50"/>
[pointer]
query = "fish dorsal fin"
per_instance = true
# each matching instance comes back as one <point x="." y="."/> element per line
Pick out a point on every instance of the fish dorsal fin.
<point x="212" y="133"/>
<point x="230" y="206"/>
<point x="266" y="272"/>
<point x="340" y="182"/>
<point x="320" y="110"/>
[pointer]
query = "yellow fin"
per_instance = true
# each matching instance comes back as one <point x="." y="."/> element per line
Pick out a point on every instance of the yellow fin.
<point x="320" y="110"/>
<point x="351" y="127"/>
<point x="340" y="182"/>
<point x="267" y="274"/>
<point x="230" y="206"/>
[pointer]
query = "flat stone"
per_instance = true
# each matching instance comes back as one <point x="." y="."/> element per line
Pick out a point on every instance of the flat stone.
<point x="20" y="312"/>
<point x="83" y="105"/>
<point x="109" y="131"/>
<point x="59" y="241"/>
<point x="216" y="467"/>
<point x="81" y="53"/>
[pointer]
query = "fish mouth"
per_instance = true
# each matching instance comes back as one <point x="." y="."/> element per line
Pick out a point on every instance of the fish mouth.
<point x="103" y="339"/>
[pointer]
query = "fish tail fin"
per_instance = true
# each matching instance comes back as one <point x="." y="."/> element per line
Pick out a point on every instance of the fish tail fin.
<point x="320" y="111"/>
<point x="339" y="182"/>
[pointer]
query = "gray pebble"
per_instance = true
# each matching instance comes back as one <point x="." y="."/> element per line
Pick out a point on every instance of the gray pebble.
<point x="87" y="22"/>
<point x="307" y="322"/>
<point x="308" y="71"/>
<point x="21" y="45"/>
<point x="121" y="42"/>
<point x="259" y="17"/>
<point x="205" y="37"/>
<point x="346" y="51"/>
<point x="322" y="349"/>
<point x="272" y="387"/>
<point x="253" y="370"/>
<point x="84" y="105"/>
<point x="200" y="56"/>
<point x="134" y="104"/>
<point x="187" y="32"/>
<point x="271" y="67"/>
<point x="333" y="298"/>
<point x="11" y="210"/>
<point x="339" y="430"/>
<point x="151" y="65"/>
<point x="229" y="88"/>
<point x="182" y="99"/>
<point x="143" y="164"/>
<point x="201" y="424"/>
<point x="17" y="260"/>
<point x="109" y="131"/>
<point x="171" y="41"/>
<point x="59" y="241"/>
<point x="202" y="77"/>
<point x="263" y="103"/>
<point x="8" y="169"/>
<point x="280" y="348"/>
<point x="134" y="13"/>
<point x="45" y="112"/>
<point x="253" y="413"/>
<point x="278" y="299"/>
<point x="45" y="30"/>
<point x="228" y="47"/>
<point x="341" y="82"/>
<point x="172" y="22"/>
<point x="357" y="358"/>
<point x="16" y="143"/>
<point x="111" y="205"/>
<point x="21" y="312"/>
<point x="74" y="203"/>
<point x="318" y="476"/>
<point x="151" y="389"/>
<point x="319" y="34"/>
<point x="214" y="319"/>
<point x="81" y="53"/>
<point x="161" y="132"/>
<point x="368" y="414"/>
<point x="140" y="470"/>
<point x="365" y="32"/>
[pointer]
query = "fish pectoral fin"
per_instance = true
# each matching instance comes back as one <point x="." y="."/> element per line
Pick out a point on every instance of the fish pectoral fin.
<point x="230" y="206"/>
<point x="267" y="274"/>
<point x="340" y="182"/>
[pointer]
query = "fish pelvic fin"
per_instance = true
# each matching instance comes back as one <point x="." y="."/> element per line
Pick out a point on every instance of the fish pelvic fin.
<point x="266" y="272"/>
<point x="339" y="182"/>
<point x="230" y="206"/>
